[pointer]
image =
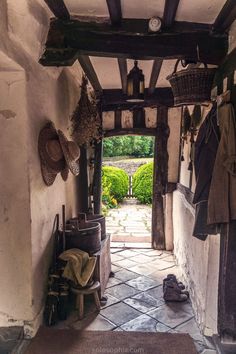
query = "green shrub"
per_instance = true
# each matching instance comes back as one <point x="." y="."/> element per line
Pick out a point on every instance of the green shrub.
<point x="108" y="200"/>
<point x="116" y="180"/>
<point x="142" y="183"/>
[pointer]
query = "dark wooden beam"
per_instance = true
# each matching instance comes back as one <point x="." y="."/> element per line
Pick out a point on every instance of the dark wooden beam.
<point x="170" y="10"/>
<point x="117" y="119"/>
<point x="226" y="17"/>
<point x="83" y="180"/>
<point x="139" y="118"/>
<point x="160" y="178"/>
<point x="98" y="39"/>
<point x="123" y="73"/>
<point x="156" y="68"/>
<point x="97" y="178"/>
<point x="227" y="284"/>
<point x="58" y="9"/>
<point x="114" y="99"/>
<point x="90" y="73"/>
<point x="114" y="7"/>
<point x="131" y="131"/>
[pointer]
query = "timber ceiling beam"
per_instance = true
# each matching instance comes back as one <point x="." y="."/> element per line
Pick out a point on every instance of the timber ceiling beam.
<point x="90" y="73"/>
<point x="170" y="10"/>
<point x="226" y="17"/>
<point x="114" y="99"/>
<point x="96" y="39"/>
<point x="123" y="73"/>
<point x="114" y="8"/>
<point x="156" y="68"/>
<point x="131" y="131"/>
<point x="58" y="9"/>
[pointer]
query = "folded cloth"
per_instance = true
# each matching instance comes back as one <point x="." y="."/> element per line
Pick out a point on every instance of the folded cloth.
<point x="79" y="267"/>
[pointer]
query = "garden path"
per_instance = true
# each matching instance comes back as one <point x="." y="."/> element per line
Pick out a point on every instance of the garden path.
<point x="130" y="223"/>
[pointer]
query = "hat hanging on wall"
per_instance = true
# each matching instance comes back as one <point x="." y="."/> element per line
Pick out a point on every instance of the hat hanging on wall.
<point x="50" y="148"/>
<point x="71" y="152"/>
<point x="56" y="156"/>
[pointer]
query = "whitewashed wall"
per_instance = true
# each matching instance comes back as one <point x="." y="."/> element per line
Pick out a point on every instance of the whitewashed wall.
<point x="30" y="95"/>
<point x="198" y="260"/>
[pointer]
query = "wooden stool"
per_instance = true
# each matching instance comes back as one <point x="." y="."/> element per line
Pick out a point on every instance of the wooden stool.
<point x="93" y="289"/>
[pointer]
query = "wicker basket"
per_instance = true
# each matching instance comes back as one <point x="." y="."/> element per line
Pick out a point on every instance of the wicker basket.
<point x="191" y="86"/>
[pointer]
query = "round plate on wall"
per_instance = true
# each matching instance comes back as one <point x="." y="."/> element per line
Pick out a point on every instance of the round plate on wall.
<point x="154" y="24"/>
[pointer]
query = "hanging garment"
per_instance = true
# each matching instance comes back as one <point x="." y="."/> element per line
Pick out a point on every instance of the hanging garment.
<point x="222" y="196"/>
<point x="206" y="146"/>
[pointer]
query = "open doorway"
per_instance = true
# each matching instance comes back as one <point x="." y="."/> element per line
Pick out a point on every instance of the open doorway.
<point x="127" y="180"/>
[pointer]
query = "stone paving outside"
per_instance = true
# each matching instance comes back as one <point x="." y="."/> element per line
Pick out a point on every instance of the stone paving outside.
<point x="130" y="222"/>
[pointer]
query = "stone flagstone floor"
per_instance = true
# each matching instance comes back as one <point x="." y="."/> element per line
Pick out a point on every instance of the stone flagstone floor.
<point x="131" y="222"/>
<point x="135" y="300"/>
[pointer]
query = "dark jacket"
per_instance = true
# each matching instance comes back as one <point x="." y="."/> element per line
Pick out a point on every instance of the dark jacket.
<point x="205" y="153"/>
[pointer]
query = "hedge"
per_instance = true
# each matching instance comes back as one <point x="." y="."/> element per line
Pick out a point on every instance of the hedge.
<point x="142" y="183"/>
<point x="116" y="180"/>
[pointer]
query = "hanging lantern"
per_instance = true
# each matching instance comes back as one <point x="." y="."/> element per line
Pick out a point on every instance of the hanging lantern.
<point x="135" y="84"/>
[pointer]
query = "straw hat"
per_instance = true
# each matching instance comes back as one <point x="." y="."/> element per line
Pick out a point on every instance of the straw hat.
<point x="50" y="150"/>
<point x="65" y="173"/>
<point x="71" y="153"/>
<point x="48" y="176"/>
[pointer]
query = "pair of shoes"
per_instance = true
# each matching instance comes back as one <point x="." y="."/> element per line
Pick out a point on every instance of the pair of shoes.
<point x="172" y="278"/>
<point x="174" y="290"/>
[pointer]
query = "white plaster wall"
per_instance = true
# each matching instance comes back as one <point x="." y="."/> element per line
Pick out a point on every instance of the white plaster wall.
<point x="15" y="250"/>
<point x="199" y="264"/>
<point x="198" y="260"/>
<point x="30" y="95"/>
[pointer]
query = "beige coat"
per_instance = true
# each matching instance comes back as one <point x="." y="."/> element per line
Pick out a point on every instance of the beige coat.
<point x="222" y="196"/>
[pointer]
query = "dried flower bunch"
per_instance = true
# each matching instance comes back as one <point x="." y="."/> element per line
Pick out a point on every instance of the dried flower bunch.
<point x="86" y="121"/>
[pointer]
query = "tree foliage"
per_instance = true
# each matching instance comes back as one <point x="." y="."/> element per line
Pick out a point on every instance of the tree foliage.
<point x="138" y="146"/>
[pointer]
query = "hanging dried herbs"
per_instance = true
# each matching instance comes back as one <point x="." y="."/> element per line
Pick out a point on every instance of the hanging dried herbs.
<point x="86" y="120"/>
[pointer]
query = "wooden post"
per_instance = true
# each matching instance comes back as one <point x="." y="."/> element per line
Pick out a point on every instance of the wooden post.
<point x="160" y="178"/>
<point x="97" y="179"/>
<point x="83" y="180"/>
<point x="227" y="284"/>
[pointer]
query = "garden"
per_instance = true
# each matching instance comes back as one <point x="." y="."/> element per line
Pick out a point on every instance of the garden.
<point x="137" y="152"/>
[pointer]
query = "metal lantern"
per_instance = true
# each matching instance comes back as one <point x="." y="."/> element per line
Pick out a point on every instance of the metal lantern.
<point x="135" y="84"/>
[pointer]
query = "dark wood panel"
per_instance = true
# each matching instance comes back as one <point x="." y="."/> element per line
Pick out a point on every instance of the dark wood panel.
<point x="226" y="16"/>
<point x="115" y="99"/>
<point x="98" y="39"/>
<point x="58" y="8"/>
<point x="114" y="7"/>
<point x="170" y="10"/>
<point x="139" y="118"/>
<point x="90" y="73"/>
<point x="117" y="119"/>
<point x="156" y="68"/>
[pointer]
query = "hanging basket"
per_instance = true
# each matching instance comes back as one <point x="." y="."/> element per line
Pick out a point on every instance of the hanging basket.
<point x="191" y="86"/>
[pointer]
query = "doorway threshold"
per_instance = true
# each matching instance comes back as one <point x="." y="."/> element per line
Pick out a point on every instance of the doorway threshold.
<point x="146" y="245"/>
